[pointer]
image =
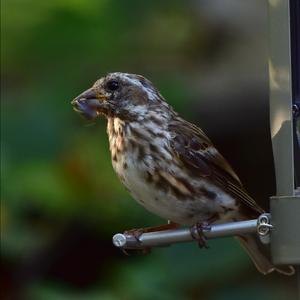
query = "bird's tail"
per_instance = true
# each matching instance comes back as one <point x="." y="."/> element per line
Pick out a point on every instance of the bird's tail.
<point x="260" y="257"/>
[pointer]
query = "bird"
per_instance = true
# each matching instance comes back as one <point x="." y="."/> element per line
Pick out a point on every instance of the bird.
<point x="168" y="164"/>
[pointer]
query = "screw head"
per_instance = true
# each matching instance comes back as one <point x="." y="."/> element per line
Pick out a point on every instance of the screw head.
<point x="296" y="110"/>
<point x="119" y="240"/>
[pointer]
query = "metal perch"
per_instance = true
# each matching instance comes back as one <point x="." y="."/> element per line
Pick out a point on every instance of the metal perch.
<point x="261" y="226"/>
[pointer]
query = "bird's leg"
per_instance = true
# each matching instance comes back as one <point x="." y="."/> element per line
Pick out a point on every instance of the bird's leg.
<point x="137" y="232"/>
<point x="197" y="231"/>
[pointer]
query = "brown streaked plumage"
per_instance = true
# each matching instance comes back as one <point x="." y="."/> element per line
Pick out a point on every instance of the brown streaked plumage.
<point x="168" y="164"/>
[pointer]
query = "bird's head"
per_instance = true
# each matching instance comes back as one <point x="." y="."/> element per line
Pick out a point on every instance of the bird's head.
<point x="122" y="95"/>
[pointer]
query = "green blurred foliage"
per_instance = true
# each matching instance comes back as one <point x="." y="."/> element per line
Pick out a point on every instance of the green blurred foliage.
<point x="55" y="167"/>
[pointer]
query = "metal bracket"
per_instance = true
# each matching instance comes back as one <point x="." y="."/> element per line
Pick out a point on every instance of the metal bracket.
<point x="261" y="226"/>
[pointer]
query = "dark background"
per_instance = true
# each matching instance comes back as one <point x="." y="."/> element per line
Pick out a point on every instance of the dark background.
<point x="61" y="201"/>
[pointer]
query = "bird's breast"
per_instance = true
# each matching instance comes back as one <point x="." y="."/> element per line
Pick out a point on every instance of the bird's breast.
<point x="156" y="179"/>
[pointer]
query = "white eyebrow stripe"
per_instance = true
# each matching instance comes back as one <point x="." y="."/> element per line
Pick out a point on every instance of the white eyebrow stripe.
<point x="152" y="95"/>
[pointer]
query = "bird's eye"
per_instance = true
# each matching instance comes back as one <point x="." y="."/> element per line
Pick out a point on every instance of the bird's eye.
<point x="112" y="85"/>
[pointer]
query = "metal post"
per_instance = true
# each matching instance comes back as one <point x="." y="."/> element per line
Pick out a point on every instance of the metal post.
<point x="285" y="206"/>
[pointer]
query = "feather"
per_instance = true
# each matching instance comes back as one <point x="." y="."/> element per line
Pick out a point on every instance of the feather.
<point x="197" y="152"/>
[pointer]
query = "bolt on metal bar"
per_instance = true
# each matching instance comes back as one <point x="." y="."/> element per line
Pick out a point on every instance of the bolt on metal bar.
<point x="183" y="235"/>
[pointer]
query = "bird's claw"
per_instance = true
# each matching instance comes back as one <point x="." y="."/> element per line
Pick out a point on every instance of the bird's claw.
<point x="136" y="233"/>
<point x="197" y="233"/>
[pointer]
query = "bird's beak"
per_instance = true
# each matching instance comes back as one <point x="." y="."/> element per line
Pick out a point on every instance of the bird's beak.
<point x="89" y="103"/>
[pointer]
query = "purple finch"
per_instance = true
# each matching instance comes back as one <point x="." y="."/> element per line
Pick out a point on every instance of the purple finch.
<point x="168" y="164"/>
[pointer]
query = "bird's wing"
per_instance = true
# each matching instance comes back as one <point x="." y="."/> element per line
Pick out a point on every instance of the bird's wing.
<point x="198" y="154"/>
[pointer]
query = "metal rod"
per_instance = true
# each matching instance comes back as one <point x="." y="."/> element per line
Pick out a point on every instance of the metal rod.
<point x="168" y="237"/>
